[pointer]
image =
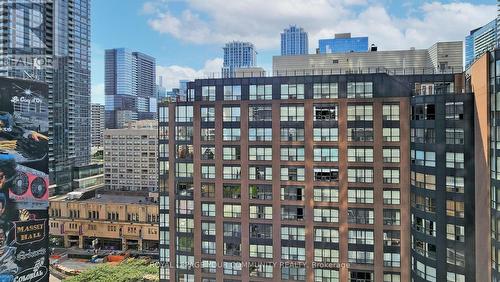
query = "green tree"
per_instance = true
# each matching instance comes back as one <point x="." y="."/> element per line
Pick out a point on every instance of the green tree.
<point x="129" y="270"/>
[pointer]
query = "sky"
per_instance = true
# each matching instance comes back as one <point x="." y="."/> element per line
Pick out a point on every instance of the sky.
<point x="186" y="36"/>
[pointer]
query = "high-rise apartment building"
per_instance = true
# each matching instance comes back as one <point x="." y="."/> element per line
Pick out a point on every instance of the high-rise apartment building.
<point x="294" y="41"/>
<point x="130" y="88"/>
<point x="97" y="126"/>
<point x="343" y="43"/>
<point x="479" y="41"/>
<point x="130" y="157"/>
<point x="238" y="55"/>
<point x="56" y="35"/>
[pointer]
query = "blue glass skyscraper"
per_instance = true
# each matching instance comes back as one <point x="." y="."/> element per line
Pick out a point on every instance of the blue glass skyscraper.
<point x="238" y="55"/>
<point x="130" y="90"/>
<point x="343" y="43"/>
<point x="479" y="41"/>
<point x="294" y="41"/>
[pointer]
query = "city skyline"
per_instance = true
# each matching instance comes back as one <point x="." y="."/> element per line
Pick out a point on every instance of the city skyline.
<point x="162" y="28"/>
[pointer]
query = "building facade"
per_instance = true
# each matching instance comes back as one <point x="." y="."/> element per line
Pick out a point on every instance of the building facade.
<point x="97" y="126"/>
<point x="130" y="157"/>
<point x="238" y="55"/>
<point x="294" y="41"/>
<point x="130" y="88"/>
<point x="479" y="41"/>
<point x="57" y="33"/>
<point x="119" y="222"/>
<point x="343" y="43"/>
<point x="311" y="172"/>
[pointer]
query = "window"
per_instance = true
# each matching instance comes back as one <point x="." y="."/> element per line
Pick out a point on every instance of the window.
<point x="321" y="275"/>
<point x="390" y="112"/>
<point x="423" y="158"/>
<point x="292" y="113"/>
<point x="207" y="152"/>
<point x="326" y="154"/>
<point x="360" y="216"/>
<point x="184" y="170"/>
<point x="231" y="191"/>
<point x="455" y="136"/>
<point x="360" y="112"/>
<point x="326" y="235"/>
<point x="423" y="203"/>
<point x="184" y="152"/>
<point x="455" y="232"/>
<point x="363" y="155"/>
<point x="208" y="93"/>
<point x="454" y="160"/>
<point x="208" y="247"/>
<point x="329" y="215"/>
<point x="391" y="176"/>
<point x="392" y="217"/>
<point x="360" y="175"/>
<point x="424" y="181"/>
<point x="261" y="251"/>
<point x="296" y="273"/>
<point x="326" y="134"/>
<point x="423" y="112"/>
<point x="184" y="114"/>
<point x="292" y="213"/>
<point x="392" y="238"/>
<point x="260" y="113"/>
<point x="360" y="257"/>
<point x="454" y="277"/>
<point x="261" y="92"/>
<point x="360" y="196"/>
<point x="292" y="91"/>
<point x="184" y="133"/>
<point x="260" y="173"/>
<point x="359" y="89"/>
<point x="361" y="237"/>
<point x="455" y="184"/>
<point x="325" y="112"/>
<point x="293" y="233"/>
<point x="261" y="212"/>
<point x="392" y="259"/>
<point x="292" y="193"/>
<point x="231" y="153"/>
<point x="326" y="194"/>
<point x="292" y="134"/>
<point x="232" y="92"/>
<point x="455" y="257"/>
<point x="326" y="90"/>
<point x="207" y="114"/>
<point x="292" y="174"/>
<point x="423" y="135"/>
<point x="232" y="268"/>
<point x="391" y="155"/>
<point x="390" y="134"/>
<point x="207" y="190"/>
<point x="293" y="253"/>
<point x="424" y="226"/>
<point x="231" y="172"/>
<point x="326" y="174"/>
<point x="292" y="154"/>
<point x="455" y="208"/>
<point x="454" y="110"/>
<point x="231" y="210"/>
<point x="326" y="255"/>
<point x="208" y="266"/>
<point x="260" y="191"/>
<point x="391" y="197"/>
<point x="231" y="113"/>
<point x="360" y="134"/>
<point x="260" y="134"/>
<point x="232" y="230"/>
<point x="261" y="231"/>
<point x="208" y="209"/>
<point x="208" y="171"/>
<point x="261" y="270"/>
<point x="207" y="134"/>
<point x="260" y="153"/>
<point x="231" y="134"/>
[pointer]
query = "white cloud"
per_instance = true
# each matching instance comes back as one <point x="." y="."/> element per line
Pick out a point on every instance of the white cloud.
<point x="172" y="74"/>
<point x="261" y="21"/>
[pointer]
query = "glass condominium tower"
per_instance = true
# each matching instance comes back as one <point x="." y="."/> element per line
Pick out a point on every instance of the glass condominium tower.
<point x="58" y="30"/>
<point x="238" y="55"/>
<point x="130" y="90"/>
<point x="294" y="41"/>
